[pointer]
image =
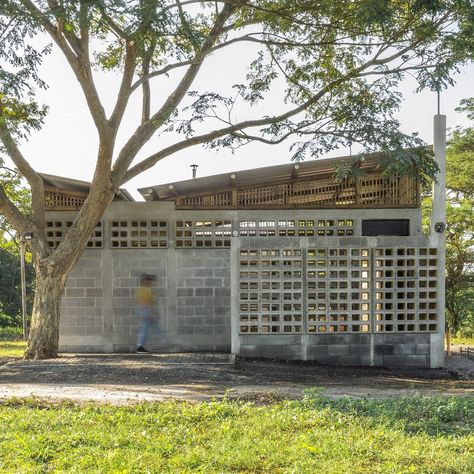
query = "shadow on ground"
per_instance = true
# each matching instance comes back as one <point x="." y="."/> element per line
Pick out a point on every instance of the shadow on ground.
<point x="121" y="378"/>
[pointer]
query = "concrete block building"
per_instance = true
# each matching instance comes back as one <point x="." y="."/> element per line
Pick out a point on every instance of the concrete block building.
<point x="281" y="262"/>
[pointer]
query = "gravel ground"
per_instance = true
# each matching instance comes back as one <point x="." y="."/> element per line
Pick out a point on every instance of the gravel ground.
<point x="198" y="377"/>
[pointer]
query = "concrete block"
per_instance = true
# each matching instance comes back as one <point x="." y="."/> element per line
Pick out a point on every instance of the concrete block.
<point x="195" y="320"/>
<point x="423" y="349"/>
<point x="221" y="272"/>
<point x="85" y="302"/>
<point x="364" y="360"/>
<point x="222" y="310"/>
<point x="95" y="273"/>
<point x="221" y="329"/>
<point x="85" y="282"/>
<point x="378" y="360"/>
<point x="94" y="292"/>
<point x="359" y="349"/>
<point x="404" y="349"/>
<point x="220" y="320"/>
<point x="185" y="329"/>
<point x="292" y="352"/>
<point x="94" y="331"/>
<point x="203" y="311"/>
<point x="349" y="360"/>
<point x="128" y="283"/>
<point x="74" y="292"/>
<point x="399" y="338"/>
<point x="185" y="311"/>
<point x="122" y="330"/>
<point x="222" y="291"/>
<point x="422" y="338"/>
<point x="213" y="282"/>
<point x="359" y="339"/>
<point x="73" y="331"/>
<point x="121" y="311"/>
<point x="193" y="301"/>
<point x="184" y="291"/>
<point x="417" y="361"/>
<point x="338" y="350"/>
<point x="394" y="360"/>
<point x="383" y="349"/>
<point x="117" y="292"/>
<point x="271" y="351"/>
<point x="282" y="339"/>
<point x="314" y="351"/>
<point x="221" y="301"/>
<point x="204" y="291"/>
<point x="204" y="272"/>
<point x="193" y="282"/>
<point x="201" y="330"/>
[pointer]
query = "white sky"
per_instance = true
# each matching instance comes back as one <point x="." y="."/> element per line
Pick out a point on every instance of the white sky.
<point x="67" y="143"/>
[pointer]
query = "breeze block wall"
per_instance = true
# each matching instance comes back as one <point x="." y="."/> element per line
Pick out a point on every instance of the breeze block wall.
<point x="279" y="284"/>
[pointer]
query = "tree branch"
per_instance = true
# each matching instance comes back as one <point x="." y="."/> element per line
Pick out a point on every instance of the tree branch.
<point x="34" y="179"/>
<point x="146" y="130"/>
<point x="13" y="214"/>
<point x="125" y="86"/>
<point x="77" y="58"/>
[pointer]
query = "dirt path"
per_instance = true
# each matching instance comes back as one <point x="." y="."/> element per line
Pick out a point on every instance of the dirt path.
<point x="196" y="377"/>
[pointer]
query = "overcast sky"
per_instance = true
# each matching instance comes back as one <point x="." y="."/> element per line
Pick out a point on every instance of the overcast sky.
<point x="67" y="144"/>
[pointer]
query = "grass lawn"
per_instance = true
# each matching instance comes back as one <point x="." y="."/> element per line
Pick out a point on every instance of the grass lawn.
<point x="12" y="348"/>
<point x="317" y="435"/>
<point x="466" y="341"/>
<point x="11" y="344"/>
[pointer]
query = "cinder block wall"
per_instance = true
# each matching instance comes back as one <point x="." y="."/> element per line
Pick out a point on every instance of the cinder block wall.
<point x="199" y="291"/>
<point x="203" y="299"/>
<point x="82" y="304"/>
<point x="127" y="266"/>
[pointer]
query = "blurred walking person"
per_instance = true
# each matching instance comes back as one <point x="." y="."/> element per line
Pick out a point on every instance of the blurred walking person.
<point x="146" y="310"/>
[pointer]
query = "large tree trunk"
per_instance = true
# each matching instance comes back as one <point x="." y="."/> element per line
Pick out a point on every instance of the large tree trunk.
<point x="44" y="332"/>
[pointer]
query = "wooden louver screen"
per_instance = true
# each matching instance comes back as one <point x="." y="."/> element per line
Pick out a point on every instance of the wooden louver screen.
<point x="57" y="200"/>
<point x="372" y="190"/>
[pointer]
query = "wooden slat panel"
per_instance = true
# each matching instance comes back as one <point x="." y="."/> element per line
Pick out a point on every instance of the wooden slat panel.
<point x="55" y="200"/>
<point x="373" y="190"/>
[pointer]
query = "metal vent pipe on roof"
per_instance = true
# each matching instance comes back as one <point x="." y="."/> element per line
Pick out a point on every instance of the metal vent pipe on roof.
<point x="194" y="168"/>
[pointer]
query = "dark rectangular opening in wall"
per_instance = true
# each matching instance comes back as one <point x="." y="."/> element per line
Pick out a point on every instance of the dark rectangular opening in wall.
<point x="374" y="227"/>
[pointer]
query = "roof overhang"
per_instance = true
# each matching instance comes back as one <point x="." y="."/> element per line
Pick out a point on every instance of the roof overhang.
<point x="252" y="177"/>
<point x="63" y="184"/>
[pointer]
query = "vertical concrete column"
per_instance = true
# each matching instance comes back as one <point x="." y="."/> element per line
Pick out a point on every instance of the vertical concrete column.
<point x="438" y="236"/>
<point x="107" y="278"/>
<point x="171" y="274"/>
<point x="234" y="295"/>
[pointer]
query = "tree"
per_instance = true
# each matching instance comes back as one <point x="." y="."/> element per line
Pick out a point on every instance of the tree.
<point x="460" y="229"/>
<point x="459" y="270"/>
<point x="340" y="63"/>
<point x="10" y="283"/>
<point x="10" y="288"/>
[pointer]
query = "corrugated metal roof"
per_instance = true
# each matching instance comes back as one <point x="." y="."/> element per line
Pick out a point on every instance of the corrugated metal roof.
<point x="75" y="185"/>
<point x="251" y="177"/>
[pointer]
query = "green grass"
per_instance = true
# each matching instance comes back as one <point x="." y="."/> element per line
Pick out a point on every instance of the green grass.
<point x="421" y="435"/>
<point x="466" y="341"/>
<point x="11" y="344"/>
<point x="12" y="348"/>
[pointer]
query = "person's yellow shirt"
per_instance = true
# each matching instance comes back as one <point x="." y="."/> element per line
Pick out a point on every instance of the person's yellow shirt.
<point x="145" y="296"/>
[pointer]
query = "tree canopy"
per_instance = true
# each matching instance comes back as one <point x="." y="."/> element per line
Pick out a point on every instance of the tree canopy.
<point x="460" y="229"/>
<point x="334" y="68"/>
